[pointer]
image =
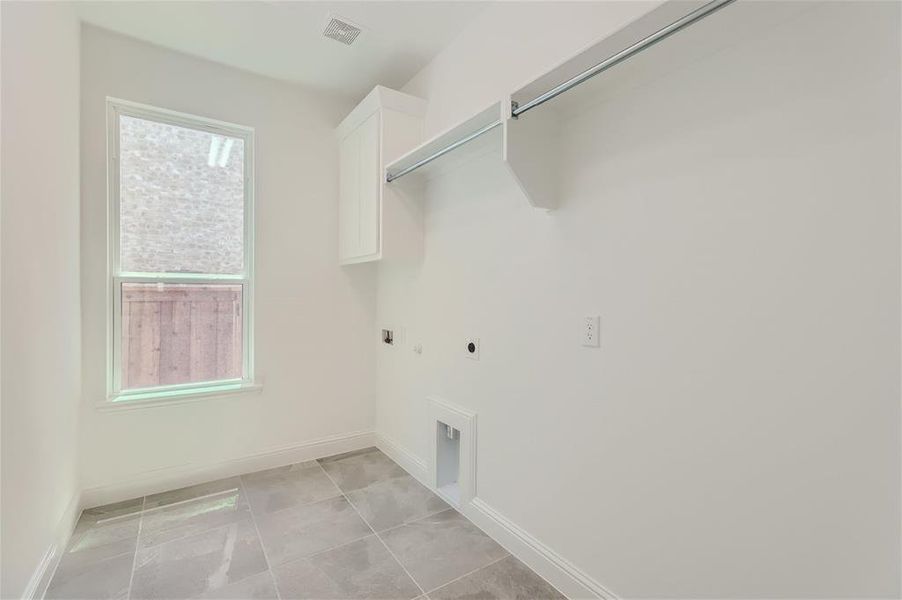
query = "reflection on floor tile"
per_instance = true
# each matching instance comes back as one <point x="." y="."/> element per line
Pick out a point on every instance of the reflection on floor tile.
<point x="191" y="492"/>
<point x="189" y="517"/>
<point x="361" y="569"/>
<point x="304" y="530"/>
<point x="106" y="578"/>
<point x="507" y="579"/>
<point x="359" y="469"/>
<point x="256" y="587"/>
<point x="290" y="530"/>
<point x="110" y="511"/>
<point x="440" y="548"/>
<point x="396" y="501"/>
<point x="97" y="562"/>
<point x="198" y="564"/>
<point x="96" y="541"/>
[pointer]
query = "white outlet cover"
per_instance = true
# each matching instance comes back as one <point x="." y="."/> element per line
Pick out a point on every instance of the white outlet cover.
<point x="474" y="355"/>
<point x="591" y="331"/>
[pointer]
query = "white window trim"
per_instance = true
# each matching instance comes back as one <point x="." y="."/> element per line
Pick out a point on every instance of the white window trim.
<point x="173" y="394"/>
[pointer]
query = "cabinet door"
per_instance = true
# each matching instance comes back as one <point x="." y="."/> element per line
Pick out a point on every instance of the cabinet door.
<point x="348" y="196"/>
<point x="370" y="182"/>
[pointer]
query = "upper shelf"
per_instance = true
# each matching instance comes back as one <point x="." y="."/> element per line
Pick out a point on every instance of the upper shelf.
<point x="529" y="121"/>
<point x="634" y="38"/>
<point x="457" y="143"/>
<point x="640" y="53"/>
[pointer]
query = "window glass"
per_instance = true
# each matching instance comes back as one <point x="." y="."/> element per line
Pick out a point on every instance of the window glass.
<point x="180" y="333"/>
<point x="181" y="199"/>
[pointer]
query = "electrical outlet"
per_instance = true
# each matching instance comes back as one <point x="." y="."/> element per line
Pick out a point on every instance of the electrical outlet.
<point x="591" y="332"/>
<point x="471" y="348"/>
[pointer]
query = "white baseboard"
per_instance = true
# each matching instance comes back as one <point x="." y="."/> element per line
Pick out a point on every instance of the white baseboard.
<point x="40" y="579"/>
<point x="559" y="572"/>
<point x="408" y="461"/>
<point x="161" y="480"/>
<point x="562" y="574"/>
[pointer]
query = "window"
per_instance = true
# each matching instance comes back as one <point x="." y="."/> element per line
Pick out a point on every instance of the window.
<point x="181" y="254"/>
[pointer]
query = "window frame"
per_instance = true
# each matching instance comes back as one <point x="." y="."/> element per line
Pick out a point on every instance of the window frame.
<point x="173" y="393"/>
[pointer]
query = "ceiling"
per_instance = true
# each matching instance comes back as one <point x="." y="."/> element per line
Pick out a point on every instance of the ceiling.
<point x="284" y="39"/>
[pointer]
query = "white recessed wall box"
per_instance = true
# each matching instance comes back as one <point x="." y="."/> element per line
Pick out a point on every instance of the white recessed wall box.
<point x="452" y="469"/>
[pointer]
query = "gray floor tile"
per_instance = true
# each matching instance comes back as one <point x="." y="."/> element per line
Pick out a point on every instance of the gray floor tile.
<point x="393" y="502"/>
<point x="440" y="548"/>
<point x="507" y="579"/>
<point x="191" y="492"/>
<point x="344" y="455"/>
<point x="202" y="542"/>
<point x="191" y="517"/>
<point x="199" y="564"/>
<point x="97" y="580"/>
<point x="256" y="587"/>
<point x="362" y="569"/>
<point x="108" y="511"/>
<point x="304" y="530"/>
<point x="97" y="540"/>
<point x="283" y="470"/>
<point x="359" y="469"/>
<point x="277" y="489"/>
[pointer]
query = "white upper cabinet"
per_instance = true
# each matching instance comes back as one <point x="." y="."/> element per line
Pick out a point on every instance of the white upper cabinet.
<point x="376" y="221"/>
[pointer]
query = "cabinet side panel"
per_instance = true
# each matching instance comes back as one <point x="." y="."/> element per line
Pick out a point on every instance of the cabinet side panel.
<point x="369" y="185"/>
<point x="402" y="211"/>
<point x="348" y="191"/>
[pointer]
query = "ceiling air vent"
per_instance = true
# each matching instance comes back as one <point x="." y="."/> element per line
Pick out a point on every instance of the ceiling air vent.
<point x="341" y="30"/>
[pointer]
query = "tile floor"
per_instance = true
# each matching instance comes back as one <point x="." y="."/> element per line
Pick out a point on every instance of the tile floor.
<point x="354" y="525"/>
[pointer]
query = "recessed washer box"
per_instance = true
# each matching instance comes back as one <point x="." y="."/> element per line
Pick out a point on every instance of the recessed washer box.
<point x="453" y="464"/>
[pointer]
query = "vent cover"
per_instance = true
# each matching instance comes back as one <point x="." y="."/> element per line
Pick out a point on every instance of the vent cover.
<point x="341" y="31"/>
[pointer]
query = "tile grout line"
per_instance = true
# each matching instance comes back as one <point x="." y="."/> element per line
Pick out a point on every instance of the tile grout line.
<point x="467" y="574"/>
<point x="448" y="507"/>
<point x="369" y="535"/>
<point x="250" y="509"/>
<point x="144" y="511"/>
<point x="392" y="554"/>
<point x="311" y="503"/>
<point x="397" y="560"/>
<point x="162" y="507"/>
<point x="417" y="520"/>
<point x="329" y="549"/>
<point x="131" y="578"/>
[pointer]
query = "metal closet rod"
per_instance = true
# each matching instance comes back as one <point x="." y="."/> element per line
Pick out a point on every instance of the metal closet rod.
<point x="628" y="52"/>
<point x="389" y="177"/>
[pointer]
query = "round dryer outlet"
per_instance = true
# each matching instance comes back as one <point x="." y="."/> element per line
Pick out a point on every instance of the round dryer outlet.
<point x="471" y="348"/>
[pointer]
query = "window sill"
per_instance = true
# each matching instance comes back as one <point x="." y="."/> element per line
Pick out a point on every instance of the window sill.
<point x="154" y="398"/>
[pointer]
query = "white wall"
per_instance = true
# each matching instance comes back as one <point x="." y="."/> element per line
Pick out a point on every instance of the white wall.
<point x="737" y="227"/>
<point x="40" y="284"/>
<point x="314" y="320"/>
<point x="509" y="45"/>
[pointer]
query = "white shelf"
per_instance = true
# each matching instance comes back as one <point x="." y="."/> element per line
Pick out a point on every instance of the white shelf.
<point x="487" y="121"/>
<point x="533" y="140"/>
<point x="658" y="43"/>
<point x="668" y="58"/>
